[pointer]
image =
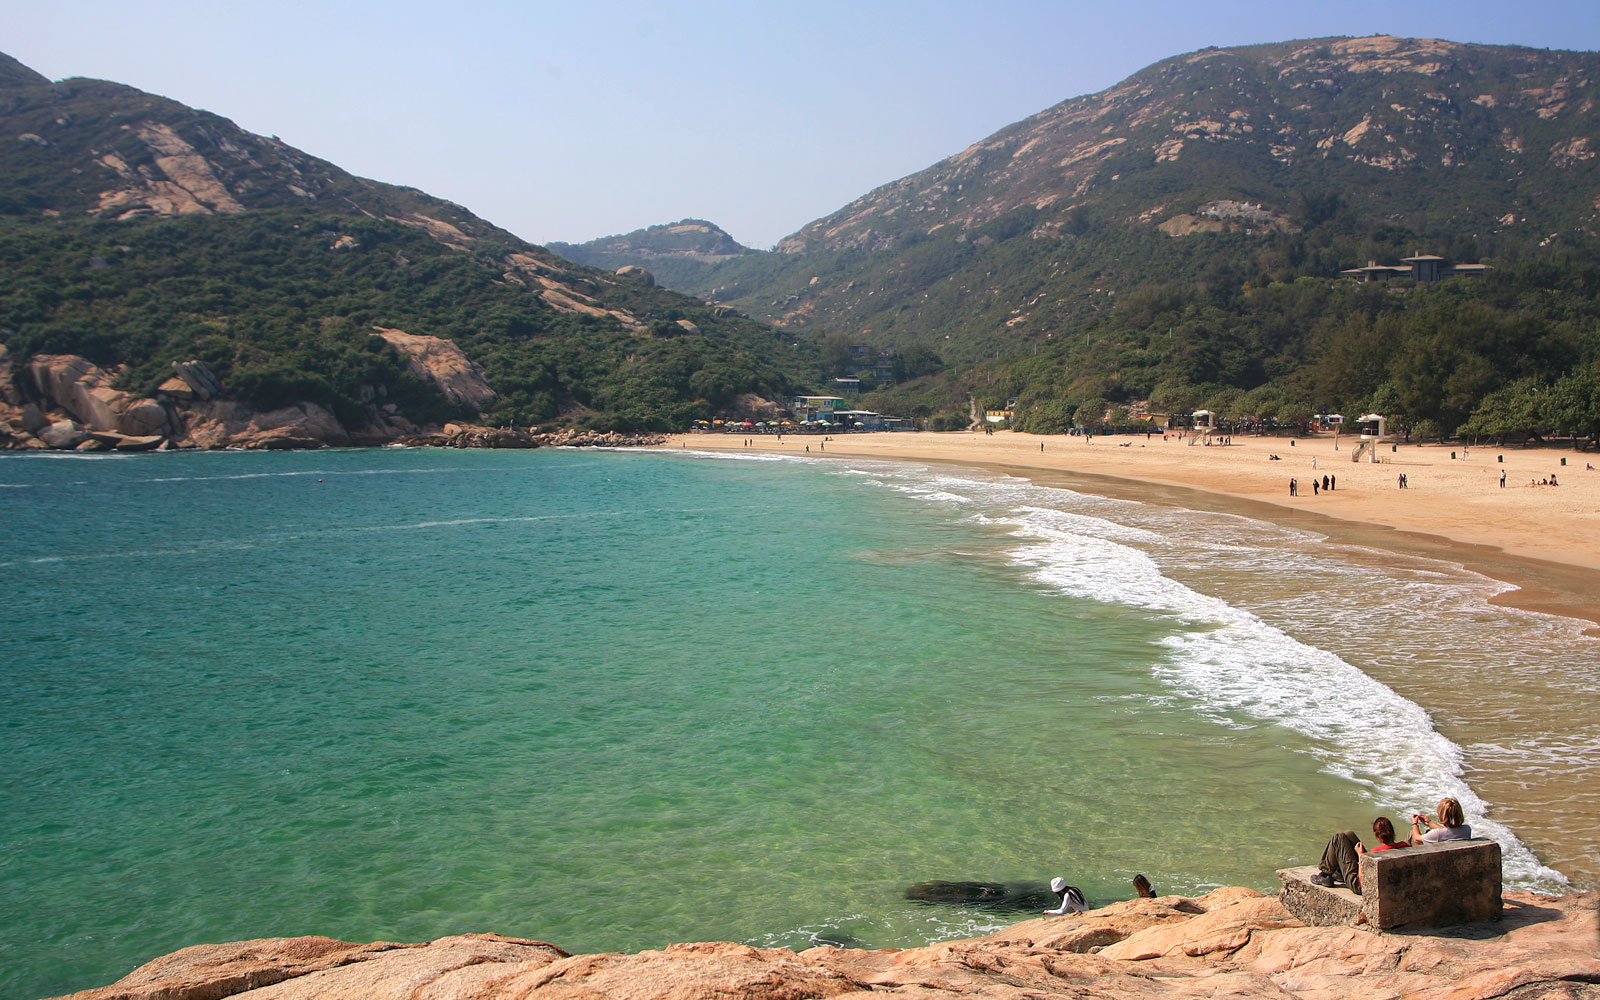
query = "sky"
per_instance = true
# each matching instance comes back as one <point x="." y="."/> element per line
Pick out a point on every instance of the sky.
<point x="573" y="120"/>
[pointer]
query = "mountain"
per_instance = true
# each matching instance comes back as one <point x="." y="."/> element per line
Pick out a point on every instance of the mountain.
<point x="678" y="254"/>
<point x="139" y="233"/>
<point x="1423" y="132"/>
<point x="1143" y="235"/>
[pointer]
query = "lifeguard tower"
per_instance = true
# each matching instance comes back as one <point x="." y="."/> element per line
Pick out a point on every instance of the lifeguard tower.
<point x="1374" y="428"/>
<point x="1205" y="422"/>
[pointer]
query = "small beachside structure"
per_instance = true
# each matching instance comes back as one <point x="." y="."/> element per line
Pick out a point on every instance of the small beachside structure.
<point x="865" y="420"/>
<point x="816" y="407"/>
<point x="1374" y="427"/>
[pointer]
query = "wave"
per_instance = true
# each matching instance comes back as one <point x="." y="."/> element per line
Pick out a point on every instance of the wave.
<point x="1230" y="664"/>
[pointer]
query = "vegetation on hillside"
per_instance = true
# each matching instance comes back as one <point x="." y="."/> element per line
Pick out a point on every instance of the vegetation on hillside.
<point x="268" y="301"/>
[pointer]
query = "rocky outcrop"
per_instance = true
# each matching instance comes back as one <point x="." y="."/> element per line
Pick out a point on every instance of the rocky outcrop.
<point x="442" y="364"/>
<point x="194" y="381"/>
<point x="1233" y="943"/>
<point x="474" y="436"/>
<point x="638" y="274"/>
<point x="222" y="423"/>
<point x="84" y="390"/>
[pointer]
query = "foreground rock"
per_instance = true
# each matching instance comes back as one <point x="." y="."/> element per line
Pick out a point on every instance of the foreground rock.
<point x="1233" y="943"/>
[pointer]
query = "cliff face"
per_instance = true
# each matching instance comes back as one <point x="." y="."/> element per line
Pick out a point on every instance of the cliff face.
<point x="1231" y="943"/>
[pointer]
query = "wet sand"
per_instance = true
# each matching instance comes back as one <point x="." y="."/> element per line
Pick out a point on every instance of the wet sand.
<point x="1529" y="745"/>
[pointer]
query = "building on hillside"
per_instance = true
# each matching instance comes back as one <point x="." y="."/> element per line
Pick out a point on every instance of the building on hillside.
<point x="864" y="420"/>
<point x="849" y="385"/>
<point x="816" y="407"/>
<point x="1422" y="267"/>
<point x="1003" y="415"/>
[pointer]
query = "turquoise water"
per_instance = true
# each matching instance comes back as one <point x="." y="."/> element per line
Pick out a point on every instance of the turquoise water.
<point x="613" y="700"/>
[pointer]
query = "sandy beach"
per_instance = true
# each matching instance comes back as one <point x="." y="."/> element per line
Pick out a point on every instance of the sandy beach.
<point x="1545" y="540"/>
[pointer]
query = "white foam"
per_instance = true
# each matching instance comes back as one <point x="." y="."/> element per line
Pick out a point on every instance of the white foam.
<point x="1233" y="666"/>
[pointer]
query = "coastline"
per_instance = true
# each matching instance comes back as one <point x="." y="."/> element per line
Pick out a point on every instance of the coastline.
<point x="1452" y="510"/>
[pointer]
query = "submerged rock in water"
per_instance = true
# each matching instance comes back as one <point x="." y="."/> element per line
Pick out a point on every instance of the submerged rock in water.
<point x="990" y="895"/>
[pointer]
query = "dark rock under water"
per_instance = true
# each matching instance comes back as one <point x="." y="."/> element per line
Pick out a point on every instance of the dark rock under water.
<point x="989" y="895"/>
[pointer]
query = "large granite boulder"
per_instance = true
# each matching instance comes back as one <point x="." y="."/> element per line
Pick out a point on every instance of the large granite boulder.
<point x="225" y="424"/>
<point x="445" y="366"/>
<point x="84" y="390"/>
<point x="63" y="434"/>
<point x="200" y="381"/>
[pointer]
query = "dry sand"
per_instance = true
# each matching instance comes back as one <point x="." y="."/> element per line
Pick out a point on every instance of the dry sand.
<point x="1543" y="539"/>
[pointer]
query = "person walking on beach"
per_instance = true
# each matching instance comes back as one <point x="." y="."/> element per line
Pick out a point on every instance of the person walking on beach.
<point x="1313" y="485"/>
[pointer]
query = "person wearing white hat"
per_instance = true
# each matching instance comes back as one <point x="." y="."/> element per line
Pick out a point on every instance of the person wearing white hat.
<point x="1071" y="898"/>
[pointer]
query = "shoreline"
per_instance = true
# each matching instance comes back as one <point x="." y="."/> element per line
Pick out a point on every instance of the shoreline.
<point x="1453" y="510"/>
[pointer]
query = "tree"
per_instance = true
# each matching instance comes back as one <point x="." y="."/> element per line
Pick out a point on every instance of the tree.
<point x="1513" y="409"/>
<point x="1573" y="403"/>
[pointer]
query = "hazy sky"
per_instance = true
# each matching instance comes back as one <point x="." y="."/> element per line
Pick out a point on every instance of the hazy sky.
<point x="575" y="119"/>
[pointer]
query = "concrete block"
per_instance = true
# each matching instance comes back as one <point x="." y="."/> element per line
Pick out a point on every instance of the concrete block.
<point x="1432" y="885"/>
<point x="1316" y="905"/>
<point x="1413" y="888"/>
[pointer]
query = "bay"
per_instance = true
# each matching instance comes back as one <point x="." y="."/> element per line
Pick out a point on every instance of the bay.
<point x="614" y="700"/>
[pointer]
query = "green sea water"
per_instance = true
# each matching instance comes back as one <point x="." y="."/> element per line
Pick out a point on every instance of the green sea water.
<point x="615" y="700"/>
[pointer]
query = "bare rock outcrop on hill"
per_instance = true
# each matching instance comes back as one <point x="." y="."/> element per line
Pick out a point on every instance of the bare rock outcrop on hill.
<point x="84" y="390"/>
<point x="1233" y="943"/>
<point x="222" y="423"/>
<point x="441" y="363"/>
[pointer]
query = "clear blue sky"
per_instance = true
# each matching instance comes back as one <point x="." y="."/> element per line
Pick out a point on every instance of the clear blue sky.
<point x="571" y="120"/>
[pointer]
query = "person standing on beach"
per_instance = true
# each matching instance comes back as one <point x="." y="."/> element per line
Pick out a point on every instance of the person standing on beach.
<point x="1313" y="485"/>
<point x="1502" y="479"/>
<point x="1333" y="481"/>
<point x="1291" y="488"/>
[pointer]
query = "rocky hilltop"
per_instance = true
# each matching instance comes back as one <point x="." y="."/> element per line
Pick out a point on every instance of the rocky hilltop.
<point x="1229" y="138"/>
<point x="1233" y="943"/>
<point x="695" y="239"/>
<point x="681" y="253"/>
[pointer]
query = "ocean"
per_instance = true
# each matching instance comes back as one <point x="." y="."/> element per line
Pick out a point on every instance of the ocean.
<point x="613" y="700"/>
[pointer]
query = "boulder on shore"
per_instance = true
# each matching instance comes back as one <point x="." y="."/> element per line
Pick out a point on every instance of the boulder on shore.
<point x="1233" y="943"/>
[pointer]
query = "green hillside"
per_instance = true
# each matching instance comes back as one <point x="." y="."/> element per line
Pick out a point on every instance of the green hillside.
<point x="1181" y="236"/>
<point x="138" y="232"/>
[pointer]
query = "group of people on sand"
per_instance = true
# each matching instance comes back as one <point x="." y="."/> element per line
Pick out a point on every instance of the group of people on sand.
<point x="1341" y="859"/>
<point x="1327" y="484"/>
